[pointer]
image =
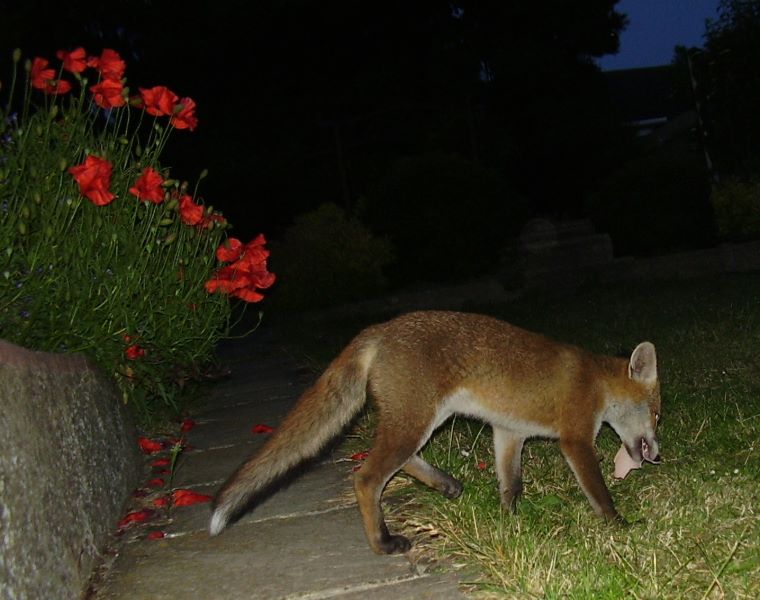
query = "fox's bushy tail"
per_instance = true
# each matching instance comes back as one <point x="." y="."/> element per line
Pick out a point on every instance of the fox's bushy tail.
<point x="320" y="414"/>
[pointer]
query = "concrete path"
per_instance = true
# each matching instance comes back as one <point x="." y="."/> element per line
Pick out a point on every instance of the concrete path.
<point x="305" y="541"/>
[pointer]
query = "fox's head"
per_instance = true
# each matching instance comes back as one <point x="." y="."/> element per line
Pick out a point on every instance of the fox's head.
<point x="635" y="413"/>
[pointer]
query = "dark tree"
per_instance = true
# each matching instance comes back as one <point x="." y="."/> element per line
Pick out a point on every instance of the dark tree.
<point x="725" y="78"/>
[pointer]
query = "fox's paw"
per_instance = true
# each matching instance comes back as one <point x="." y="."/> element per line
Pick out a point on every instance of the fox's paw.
<point x="394" y="544"/>
<point x="452" y="489"/>
<point x="619" y="521"/>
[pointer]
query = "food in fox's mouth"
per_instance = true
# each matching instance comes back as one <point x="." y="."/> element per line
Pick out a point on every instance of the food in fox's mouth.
<point x="624" y="464"/>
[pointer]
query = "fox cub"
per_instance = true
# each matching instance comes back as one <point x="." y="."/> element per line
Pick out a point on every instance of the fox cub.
<point x="421" y="368"/>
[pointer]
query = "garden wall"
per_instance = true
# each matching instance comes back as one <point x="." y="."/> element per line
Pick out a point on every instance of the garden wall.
<point x="68" y="460"/>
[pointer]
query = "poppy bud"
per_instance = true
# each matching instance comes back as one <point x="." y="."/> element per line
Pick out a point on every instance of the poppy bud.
<point x="172" y="204"/>
<point x="170" y="238"/>
<point x="37" y="198"/>
<point x="203" y="174"/>
<point x="54" y="111"/>
<point x="62" y="164"/>
<point x="27" y="65"/>
<point x="16" y="55"/>
<point x="123" y="141"/>
<point x="165" y="222"/>
<point x="38" y="130"/>
<point x="49" y="231"/>
<point x="169" y="183"/>
<point x="22" y="229"/>
<point x="25" y="212"/>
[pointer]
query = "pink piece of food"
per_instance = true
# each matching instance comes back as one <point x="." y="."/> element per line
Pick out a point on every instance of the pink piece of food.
<point x="624" y="464"/>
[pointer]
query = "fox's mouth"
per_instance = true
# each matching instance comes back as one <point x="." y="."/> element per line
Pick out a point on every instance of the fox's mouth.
<point x="643" y="451"/>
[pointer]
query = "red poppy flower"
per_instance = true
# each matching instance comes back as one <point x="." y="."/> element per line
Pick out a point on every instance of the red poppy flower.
<point x="244" y="277"/>
<point x="109" y="93"/>
<point x="40" y="74"/>
<point x="260" y="428"/>
<point x="74" y="61"/>
<point x="159" y="100"/>
<point x="231" y="249"/>
<point x="149" y="446"/>
<point x="56" y="87"/>
<point x="188" y="498"/>
<point x="94" y="178"/>
<point x="109" y="63"/>
<point x="155" y="535"/>
<point x="136" y="516"/>
<point x="187" y="425"/>
<point x="148" y="186"/>
<point x="185" y="117"/>
<point x="190" y="212"/>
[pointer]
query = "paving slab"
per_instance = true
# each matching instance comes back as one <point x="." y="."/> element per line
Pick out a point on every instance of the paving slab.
<point x="227" y="425"/>
<point x="289" y="558"/>
<point x="317" y="489"/>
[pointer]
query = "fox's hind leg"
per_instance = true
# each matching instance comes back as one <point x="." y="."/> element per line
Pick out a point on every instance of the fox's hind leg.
<point x="433" y="477"/>
<point x="508" y="451"/>
<point x="397" y="440"/>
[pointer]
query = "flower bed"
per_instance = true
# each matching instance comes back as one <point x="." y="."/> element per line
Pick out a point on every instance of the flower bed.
<point x="104" y="251"/>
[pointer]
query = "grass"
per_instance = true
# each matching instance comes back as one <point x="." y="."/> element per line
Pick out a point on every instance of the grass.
<point x="695" y="529"/>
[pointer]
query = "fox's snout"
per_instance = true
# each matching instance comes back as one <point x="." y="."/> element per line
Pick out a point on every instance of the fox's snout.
<point x="644" y="449"/>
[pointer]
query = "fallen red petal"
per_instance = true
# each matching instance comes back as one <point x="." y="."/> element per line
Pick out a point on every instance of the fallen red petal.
<point x="160" y="502"/>
<point x="188" y="498"/>
<point x="156" y="535"/>
<point x="360" y="455"/>
<point x="156" y="482"/>
<point x="481" y="465"/>
<point x="150" y="446"/>
<point x="187" y="425"/>
<point x="136" y="516"/>
<point x="259" y="428"/>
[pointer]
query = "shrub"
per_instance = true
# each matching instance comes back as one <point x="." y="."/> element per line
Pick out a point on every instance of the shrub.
<point x="447" y="217"/>
<point x="737" y="209"/>
<point x="328" y="257"/>
<point x="654" y="204"/>
<point x="105" y="253"/>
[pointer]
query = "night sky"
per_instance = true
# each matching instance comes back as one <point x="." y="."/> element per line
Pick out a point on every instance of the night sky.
<point x="655" y="27"/>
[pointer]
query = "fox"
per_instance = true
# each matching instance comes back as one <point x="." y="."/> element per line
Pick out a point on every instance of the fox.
<point x="422" y="367"/>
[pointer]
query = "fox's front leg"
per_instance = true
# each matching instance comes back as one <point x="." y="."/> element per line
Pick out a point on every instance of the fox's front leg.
<point x="508" y="452"/>
<point x="582" y="459"/>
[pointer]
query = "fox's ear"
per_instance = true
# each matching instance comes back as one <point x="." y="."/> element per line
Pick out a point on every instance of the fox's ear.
<point x="643" y="365"/>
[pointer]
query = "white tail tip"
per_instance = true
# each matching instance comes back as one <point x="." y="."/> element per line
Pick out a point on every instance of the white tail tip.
<point x="218" y="522"/>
